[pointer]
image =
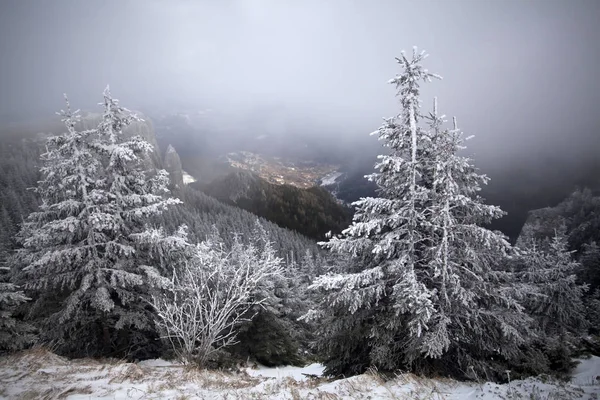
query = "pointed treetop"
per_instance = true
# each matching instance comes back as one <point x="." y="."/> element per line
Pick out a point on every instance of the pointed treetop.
<point x="413" y="71"/>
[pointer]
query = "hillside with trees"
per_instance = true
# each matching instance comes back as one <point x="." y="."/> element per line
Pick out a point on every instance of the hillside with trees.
<point x="94" y="211"/>
<point x="312" y="212"/>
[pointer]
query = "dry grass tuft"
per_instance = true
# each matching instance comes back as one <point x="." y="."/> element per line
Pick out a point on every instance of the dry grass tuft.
<point x="219" y="379"/>
<point x="128" y="372"/>
<point x="54" y="393"/>
<point x="33" y="359"/>
<point x="326" y="396"/>
<point x="29" y="395"/>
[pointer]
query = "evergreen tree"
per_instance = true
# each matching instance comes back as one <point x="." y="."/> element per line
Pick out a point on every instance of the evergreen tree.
<point x="590" y="266"/>
<point x="592" y="308"/>
<point x="422" y="289"/>
<point x="558" y="306"/>
<point x="14" y="334"/>
<point x="81" y="251"/>
<point x="6" y="234"/>
<point x="554" y="300"/>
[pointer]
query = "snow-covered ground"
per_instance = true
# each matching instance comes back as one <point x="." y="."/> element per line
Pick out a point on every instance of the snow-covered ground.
<point x="187" y="178"/>
<point x="298" y="374"/>
<point x="330" y="179"/>
<point x="40" y="374"/>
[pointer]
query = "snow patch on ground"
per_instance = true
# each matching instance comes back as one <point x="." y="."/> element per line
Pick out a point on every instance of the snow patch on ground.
<point x="39" y="374"/>
<point x="297" y="373"/>
<point x="330" y="179"/>
<point x="587" y="372"/>
<point x="187" y="178"/>
<point x="156" y="363"/>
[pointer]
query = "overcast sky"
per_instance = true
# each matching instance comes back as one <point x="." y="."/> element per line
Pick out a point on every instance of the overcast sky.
<point x="520" y="75"/>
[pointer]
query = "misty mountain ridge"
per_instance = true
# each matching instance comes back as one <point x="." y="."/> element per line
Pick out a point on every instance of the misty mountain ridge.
<point x="204" y="154"/>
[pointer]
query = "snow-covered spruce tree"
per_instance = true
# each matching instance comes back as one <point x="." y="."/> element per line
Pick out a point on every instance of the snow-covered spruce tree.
<point x="555" y="300"/>
<point x="590" y="274"/>
<point x="590" y="266"/>
<point x="592" y="306"/>
<point x="80" y="255"/>
<point x="422" y="291"/>
<point x="14" y="334"/>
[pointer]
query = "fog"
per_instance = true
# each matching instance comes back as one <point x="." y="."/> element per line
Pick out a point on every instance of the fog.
<point x="519" y="75"/>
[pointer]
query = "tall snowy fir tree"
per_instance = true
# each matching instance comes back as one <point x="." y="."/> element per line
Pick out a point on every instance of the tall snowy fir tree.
<point x="81" y="253"/>
<point x="422" y="291"/>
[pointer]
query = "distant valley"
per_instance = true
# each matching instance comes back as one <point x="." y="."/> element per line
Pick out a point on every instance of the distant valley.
<point x="210" y="151"/>
<point x="302" y="174"/>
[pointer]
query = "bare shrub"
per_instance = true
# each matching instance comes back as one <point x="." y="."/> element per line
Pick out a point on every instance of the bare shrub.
<point x="201" y="306"/>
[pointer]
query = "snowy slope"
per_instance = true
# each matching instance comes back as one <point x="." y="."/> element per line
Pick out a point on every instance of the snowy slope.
<point x="330" y="179"/>
<point x="40" y="374"/>
<point x="187" y="178"/>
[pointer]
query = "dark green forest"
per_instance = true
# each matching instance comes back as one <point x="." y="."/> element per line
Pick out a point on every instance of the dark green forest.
<point x="312" y="212"/>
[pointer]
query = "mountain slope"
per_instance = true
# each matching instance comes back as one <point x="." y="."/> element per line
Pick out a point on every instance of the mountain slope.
<point x="312" y="212"/>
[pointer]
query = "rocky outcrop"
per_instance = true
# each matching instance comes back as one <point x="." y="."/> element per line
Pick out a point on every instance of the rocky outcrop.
<point x="238" y="185"/>
<point x="172" y="164"/>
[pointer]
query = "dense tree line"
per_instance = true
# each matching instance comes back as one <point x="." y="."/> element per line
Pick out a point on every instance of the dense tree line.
<point x="19" y="172"/>
<point x="93" y="237"/>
